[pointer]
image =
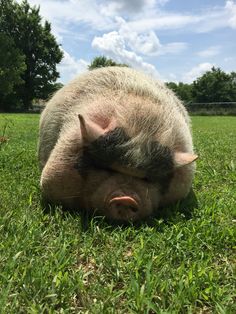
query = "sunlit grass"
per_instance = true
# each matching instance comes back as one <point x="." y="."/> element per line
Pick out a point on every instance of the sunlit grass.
<point x="49" y="263"/>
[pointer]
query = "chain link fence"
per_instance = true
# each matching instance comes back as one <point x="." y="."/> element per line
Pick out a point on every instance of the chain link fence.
<point x="212" y="108"/>
<point x="208" y="108"/>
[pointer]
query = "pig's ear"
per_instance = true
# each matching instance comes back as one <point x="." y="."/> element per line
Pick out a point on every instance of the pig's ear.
<point x="90" y="131"/>
<point x="182" y="159"/>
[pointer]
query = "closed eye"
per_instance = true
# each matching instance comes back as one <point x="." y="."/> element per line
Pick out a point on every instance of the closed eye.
<point x="147" y="179"/>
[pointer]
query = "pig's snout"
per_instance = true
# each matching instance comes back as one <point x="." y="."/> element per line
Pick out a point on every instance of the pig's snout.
<point x="124" y="208"/>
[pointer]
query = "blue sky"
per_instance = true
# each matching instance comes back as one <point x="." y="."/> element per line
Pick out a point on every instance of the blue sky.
<point x="175" y="40"/>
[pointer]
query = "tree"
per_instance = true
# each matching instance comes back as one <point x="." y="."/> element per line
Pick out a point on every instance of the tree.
<point x="57" y="86"/>
<point x="215" y="86"/>
<point x="35" y="41"/>
<point x="101" y="61"/>
<point x="182" y="90"/>
<point x="12" y="66"/>
<point x="233" y="85"/>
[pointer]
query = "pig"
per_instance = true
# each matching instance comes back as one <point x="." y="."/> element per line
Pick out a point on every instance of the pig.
<point x="117" y="143"/>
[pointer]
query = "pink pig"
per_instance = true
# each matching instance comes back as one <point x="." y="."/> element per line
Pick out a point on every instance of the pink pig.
<point x="116" y="142"/>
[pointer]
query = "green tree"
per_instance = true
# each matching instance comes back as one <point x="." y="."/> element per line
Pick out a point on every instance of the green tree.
<point x="101" y="61"/>
<point x="172" y="85"/>
<point x="182" y="90"/>
<point x="233" y="85"/>
<point x="35" y="41"/>
<point x="12" y="66"/>
<point x="215" y="86"/>
<point x="57" y="86"/>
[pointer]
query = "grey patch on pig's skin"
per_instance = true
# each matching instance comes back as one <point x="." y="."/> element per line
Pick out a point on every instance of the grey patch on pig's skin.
<point x="108" y="148"/>
<point x="102" y="152"/>
<point x="155" y="160"/>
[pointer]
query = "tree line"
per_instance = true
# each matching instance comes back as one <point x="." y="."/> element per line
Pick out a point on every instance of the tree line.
<point x="28" y="56"/>
<point x="213" y="86"/>
<point x="30" y="53"/>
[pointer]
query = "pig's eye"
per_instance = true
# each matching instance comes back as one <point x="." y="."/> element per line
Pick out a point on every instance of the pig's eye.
<point x="104" y="168"/>
<point x="146" y="179"/>
<point x="149" y="179"/>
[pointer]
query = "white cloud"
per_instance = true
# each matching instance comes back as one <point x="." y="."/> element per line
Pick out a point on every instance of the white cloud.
<point x="209" y="52"/>
<point x="135" y="32"/>
<point x="230" y="7"/>
<point x="125" y="45"/>
<point x="113" y="45"/>
<point x="170" y="77"/>
<point x="206" y="21"/>
<point x="218" y="17"/>
<point x="129" y="7"/>
<point x="173" y="48"/>
<point x="163" y="21"/>
<point x="197" y="71"/>
<point x="66" y="13"/>
<point x="70" y="67"/>
<point x="123" y="6"/>
<point x="143" y="15"/>
<point x="99" y="15"/>
<point x="146" y="43"/>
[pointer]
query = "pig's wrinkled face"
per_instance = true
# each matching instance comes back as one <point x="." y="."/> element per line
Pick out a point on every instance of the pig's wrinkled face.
<point x="120" y="179"/>
<point x="118" y="196"/>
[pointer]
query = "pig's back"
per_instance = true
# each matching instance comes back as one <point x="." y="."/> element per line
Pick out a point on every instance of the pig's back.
<point x="102" y="80"/>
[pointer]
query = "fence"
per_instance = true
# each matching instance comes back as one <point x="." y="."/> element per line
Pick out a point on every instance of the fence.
<point x="209" y="108"/>
<point x="212" y="108"/>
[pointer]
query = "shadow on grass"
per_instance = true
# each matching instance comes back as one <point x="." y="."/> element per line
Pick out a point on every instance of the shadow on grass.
<point x="183" y="207"/>
<point x="181" y="210"/>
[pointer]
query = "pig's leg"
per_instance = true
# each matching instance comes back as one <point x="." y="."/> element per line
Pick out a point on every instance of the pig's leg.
<point x="60" y="180"/>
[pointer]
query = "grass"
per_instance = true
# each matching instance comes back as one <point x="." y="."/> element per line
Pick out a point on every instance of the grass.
<point x="183" y="264"/>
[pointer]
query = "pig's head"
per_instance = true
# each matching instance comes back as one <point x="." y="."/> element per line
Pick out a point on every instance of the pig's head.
<point x="122" y="180"/>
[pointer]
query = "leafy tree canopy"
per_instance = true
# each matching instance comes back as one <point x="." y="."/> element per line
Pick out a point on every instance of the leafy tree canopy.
<point x="57" y="86"/>
<point x="182" y="90"/>
<point x="215" y="86"/>
<point x="102" y="61"/>
<point x="34" y="40"/>
<point x="12" y="65"/>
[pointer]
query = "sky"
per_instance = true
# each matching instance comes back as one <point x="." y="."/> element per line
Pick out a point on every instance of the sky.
<point x="173" y="40"/>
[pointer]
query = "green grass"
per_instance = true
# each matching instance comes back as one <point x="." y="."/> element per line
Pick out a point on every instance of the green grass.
<point x="183" y="264"/>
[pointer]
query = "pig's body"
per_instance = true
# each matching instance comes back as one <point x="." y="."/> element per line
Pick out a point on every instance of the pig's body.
<point x="129" y="151"/>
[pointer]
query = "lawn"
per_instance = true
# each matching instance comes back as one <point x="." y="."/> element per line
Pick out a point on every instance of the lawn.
<point x="180" y="263"/>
